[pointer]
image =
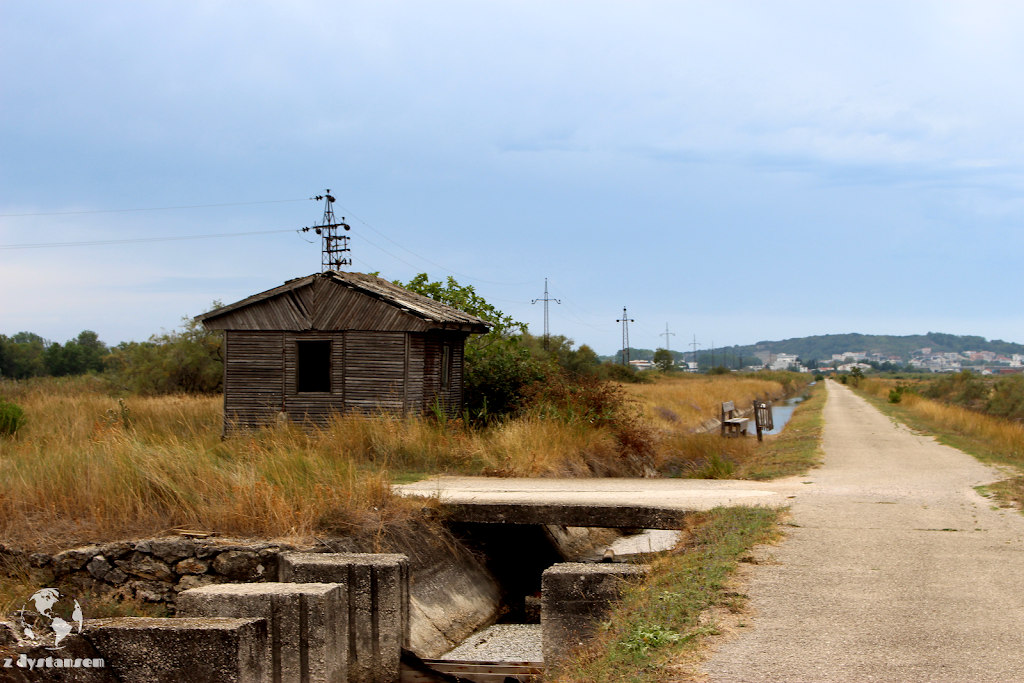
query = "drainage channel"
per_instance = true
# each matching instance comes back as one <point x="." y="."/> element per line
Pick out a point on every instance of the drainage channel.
<point x="518" y="555"/>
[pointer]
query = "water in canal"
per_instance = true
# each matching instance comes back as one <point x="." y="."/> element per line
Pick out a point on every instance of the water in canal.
<point x="781" y="412"/>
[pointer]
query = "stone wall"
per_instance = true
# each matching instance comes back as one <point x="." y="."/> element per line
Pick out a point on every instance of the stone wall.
<point x="153" y="570"/>
<point x="452" y="592"/>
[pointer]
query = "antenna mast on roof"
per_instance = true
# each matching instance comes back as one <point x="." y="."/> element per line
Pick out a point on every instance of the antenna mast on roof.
<point x="335" y="251"/>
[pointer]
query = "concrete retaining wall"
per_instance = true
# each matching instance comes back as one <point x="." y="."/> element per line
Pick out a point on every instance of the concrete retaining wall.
<point x="201" y="650"/>
<point x="575" y="598"/>
<point x="307" y="623"/>
<point x="376" y="596"/>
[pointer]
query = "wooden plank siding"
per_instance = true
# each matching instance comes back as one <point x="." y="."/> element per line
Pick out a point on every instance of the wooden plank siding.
<point x="283" y="312"/>
<point x="253" y="378"/>
<point x="375" y="365"/>
<point x="415" y="404"/>
<point x="346" y="308"/>
<point x="450" y="400"/>
<point x="371" y="372"/>
<point x="386" y="351"/>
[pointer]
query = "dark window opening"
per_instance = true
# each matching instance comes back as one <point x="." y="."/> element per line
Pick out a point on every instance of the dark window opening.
<point x="314" y="365"/>
<point x="446" y="366"/>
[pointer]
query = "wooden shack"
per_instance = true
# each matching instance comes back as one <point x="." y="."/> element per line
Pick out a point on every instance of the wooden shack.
<point x="334" y="343"/>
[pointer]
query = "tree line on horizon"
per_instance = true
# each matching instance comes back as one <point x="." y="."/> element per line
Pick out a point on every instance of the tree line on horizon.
<point x="500" y="365"/>
<point x="187" y="360"/>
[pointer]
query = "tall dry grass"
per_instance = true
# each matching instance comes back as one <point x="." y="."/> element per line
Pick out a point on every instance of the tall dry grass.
<point x="87" y="466"/>
<point x="677" y="405"/>
<point x="90" y="467"/>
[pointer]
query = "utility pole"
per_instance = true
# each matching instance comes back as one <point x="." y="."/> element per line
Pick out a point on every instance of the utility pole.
<point x="666" y="334"/>
<point x="694" y="344"/>
<point x="625" y="336"/>
<point x="712" y="353"/>
<point x="546" y="300"/>
<point x="334" y="250"/>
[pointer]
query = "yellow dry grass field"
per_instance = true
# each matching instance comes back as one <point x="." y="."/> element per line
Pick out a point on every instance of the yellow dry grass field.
<point x="684" y="401"/>
<point x="88" y="466"/>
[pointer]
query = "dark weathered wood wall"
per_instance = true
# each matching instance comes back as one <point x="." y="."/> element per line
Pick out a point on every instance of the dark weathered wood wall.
<point x="450" y="400"/>
<point x="253" y="378"/>
<point x="372" y="372"/>
<point x="375" y="369"/>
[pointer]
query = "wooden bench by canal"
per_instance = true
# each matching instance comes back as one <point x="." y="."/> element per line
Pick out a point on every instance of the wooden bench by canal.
<point x="732" y="425"/>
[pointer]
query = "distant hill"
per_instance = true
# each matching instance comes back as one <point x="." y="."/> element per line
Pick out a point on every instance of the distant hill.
<point x="821" y="347"/>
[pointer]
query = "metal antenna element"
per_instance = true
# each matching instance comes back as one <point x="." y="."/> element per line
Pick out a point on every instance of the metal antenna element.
<point x="625" y="335"/>
<point x="546" y="300"/>
<point x="335" y="251"/>
<point x="666" y="334"/>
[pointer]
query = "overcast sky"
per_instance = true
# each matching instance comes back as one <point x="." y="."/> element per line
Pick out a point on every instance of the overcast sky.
<point x="739" y="171"/>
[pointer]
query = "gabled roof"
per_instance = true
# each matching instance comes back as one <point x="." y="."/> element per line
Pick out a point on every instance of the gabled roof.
<point x="340" y="301"/>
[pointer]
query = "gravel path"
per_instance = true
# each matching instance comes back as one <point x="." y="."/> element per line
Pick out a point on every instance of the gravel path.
<point x="897" y="569"/>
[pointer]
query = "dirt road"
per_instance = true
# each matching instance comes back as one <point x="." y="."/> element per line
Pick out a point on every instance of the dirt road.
<point x="897" y="569"/>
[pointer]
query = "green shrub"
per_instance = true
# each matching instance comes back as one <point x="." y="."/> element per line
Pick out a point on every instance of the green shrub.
<point x="588" y="400"/>
<point x="12" y="417"/>
<point x="1007" y="398"/>
<point x="497" y="365"/>
<point x="616" y="372"/>
<point x="961" y="388"/>
<point x="717" y="466"/>
<point x="819" y="377"/>
<point x="189" y="360"/>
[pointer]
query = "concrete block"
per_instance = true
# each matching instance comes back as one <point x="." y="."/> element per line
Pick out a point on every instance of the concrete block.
<point x="203" y="650"/>
<point x="307" y="624"/>
<point x="378" y="605"/>
<point x="575" y="598"/>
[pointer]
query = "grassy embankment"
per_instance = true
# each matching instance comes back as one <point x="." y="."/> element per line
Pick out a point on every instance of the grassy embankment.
<point x="655" y="632"/>
<point x="993" y="440"/>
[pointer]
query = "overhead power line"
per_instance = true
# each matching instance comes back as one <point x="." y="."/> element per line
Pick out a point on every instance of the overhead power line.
<point x="136" y="241"/>
<point x="158" y="208"/>
<point x="504" y="284"/>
